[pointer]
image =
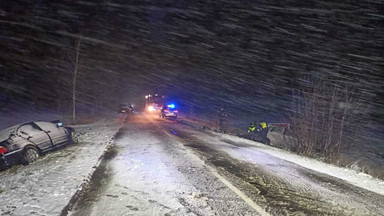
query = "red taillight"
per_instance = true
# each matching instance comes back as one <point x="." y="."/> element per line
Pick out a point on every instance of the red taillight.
<point x="3" y="150"/>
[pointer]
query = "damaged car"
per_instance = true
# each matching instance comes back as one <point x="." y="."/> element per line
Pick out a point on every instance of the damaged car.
<point x="25" y="143"/>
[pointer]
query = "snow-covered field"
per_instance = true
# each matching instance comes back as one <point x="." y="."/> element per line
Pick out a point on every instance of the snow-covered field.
<point x="46" y="186"/>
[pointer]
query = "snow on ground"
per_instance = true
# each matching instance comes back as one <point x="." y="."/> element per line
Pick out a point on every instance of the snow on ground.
<point x="323" y="182"/>
<point x="365" y="153"/>
<point x="143" y="181"/>
<point x="353" y="177"/>
<point x="153" y="174"/>
<point x="46" y="186"/>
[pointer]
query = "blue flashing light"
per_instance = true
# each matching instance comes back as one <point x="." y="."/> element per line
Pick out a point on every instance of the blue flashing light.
<point x="171" y="106"/>
<point x="173" y="132"/>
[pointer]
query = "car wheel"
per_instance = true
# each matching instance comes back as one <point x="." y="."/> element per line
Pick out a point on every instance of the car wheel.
<point x="30" y="154"/>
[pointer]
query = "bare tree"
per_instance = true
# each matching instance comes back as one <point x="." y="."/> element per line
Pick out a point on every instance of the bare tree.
<point x="323" y="108"/>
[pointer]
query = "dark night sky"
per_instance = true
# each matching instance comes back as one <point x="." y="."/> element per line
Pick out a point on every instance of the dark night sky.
<point x="247" y="55"/>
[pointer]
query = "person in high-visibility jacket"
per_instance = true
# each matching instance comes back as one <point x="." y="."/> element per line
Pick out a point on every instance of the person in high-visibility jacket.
<point x="262" y="132"/>
<point x="259" y="132"/>
<point x="252" y="130"/>
<point x="252" y="127"/>
<point x="262" y="126"/>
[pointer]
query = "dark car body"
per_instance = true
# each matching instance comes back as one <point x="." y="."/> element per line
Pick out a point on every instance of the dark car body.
<point x="168" y="112"/>
<point x="282" y="136"/>
<point x="125" y="109"/>
<point x="39" y="136"/>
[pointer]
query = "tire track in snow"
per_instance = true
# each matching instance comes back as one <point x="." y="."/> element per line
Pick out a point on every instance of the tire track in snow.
<point x="238" y="192"/>
<point x="156" y="175"/>
<point x="280" y="194"/>
<point x="249" y="201"/>
<point x="211" y="170"/>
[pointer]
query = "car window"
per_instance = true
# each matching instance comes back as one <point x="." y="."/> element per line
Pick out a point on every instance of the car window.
<point x="4" y="134"/>
<point x="29" y="129"/>
<point x="47" y="126"/>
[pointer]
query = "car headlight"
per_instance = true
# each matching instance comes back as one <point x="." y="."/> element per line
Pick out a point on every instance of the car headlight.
<point x="151" y="109"/>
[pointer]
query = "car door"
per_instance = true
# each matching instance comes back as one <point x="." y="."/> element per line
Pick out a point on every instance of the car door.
<point x="35" y="135"/>
<point x="58" y="135"/>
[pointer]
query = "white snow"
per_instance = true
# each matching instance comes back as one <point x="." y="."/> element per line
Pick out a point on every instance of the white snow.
<point x="328" y="183"/>
<point x="250" y="154"/>
<point x="153" y="174"/>
<point x="353" y="177"/>
<point x="144" y="181"/>
<point x="46" y="186"/>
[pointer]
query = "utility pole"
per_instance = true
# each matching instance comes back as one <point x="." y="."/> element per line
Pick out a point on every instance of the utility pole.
<point x="74" y="82"/>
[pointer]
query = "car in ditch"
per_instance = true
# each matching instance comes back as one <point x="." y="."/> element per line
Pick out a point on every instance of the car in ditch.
<point x="282" y="136"/>
<point x="24" y="143"/>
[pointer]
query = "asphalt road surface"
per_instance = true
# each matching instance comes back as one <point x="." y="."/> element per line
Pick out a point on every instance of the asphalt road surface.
<point x="166" y="167"/>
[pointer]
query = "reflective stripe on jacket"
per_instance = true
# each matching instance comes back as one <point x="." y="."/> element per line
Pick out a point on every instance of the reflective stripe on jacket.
<point x="252" y="128"/>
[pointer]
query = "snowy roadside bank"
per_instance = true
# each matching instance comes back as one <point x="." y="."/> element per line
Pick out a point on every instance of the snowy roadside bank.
<point x="47" y="186"/>
<point x="365" y="155"/>
<point x="351" y="176"/>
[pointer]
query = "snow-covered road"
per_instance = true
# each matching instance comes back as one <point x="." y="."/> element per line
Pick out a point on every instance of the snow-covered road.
<point x="154" y="174"/>
<point x="162" y="167"/>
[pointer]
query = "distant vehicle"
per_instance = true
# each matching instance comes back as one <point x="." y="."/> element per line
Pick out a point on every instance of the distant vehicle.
<point x="169" y="111"/>
<point x="126" y="109"/>
<point x="154" y="103"/>
<point x="26" y="142"/>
